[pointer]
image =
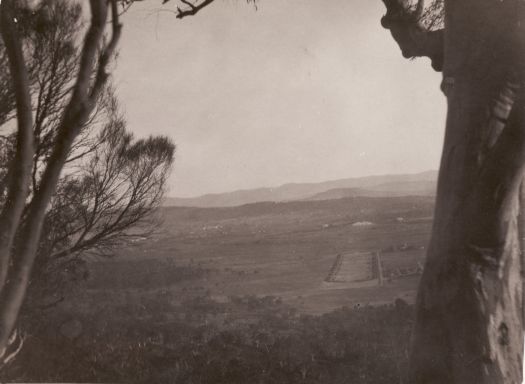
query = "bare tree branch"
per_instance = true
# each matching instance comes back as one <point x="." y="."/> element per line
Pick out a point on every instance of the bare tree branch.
<point x="191" y="9"/>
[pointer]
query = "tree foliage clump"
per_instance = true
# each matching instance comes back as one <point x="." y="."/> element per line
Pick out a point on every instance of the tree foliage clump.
<point x="73" y="179"/>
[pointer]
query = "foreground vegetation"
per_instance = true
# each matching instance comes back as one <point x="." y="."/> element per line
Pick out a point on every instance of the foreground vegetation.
<point x="167" y="309"/>
<point x="242" y="340"/>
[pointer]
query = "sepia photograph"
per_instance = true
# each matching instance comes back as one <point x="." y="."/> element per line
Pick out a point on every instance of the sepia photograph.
<point x="262" y="191"/>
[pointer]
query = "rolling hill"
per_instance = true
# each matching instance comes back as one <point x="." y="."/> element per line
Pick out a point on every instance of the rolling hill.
<point x="419" y="184"/>
<point x="395" y="189"/>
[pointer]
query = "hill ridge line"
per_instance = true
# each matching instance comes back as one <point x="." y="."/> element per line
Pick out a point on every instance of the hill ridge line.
<point x="421" y="183"/>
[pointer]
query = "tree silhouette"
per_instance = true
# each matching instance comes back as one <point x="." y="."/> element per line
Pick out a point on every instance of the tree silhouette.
<point x="469" y="308"/>
<point x="25" y="205"/>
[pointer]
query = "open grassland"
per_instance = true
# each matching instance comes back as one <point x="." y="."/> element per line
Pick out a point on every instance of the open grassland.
<point x="277" y="249"/>
<point x="237" y="296"/>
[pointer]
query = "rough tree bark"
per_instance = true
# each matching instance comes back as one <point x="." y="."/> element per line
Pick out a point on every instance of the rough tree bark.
<point x="468" y="325"/>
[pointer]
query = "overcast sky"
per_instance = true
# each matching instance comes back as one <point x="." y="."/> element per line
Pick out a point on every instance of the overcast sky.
<point x="295" y="91"/>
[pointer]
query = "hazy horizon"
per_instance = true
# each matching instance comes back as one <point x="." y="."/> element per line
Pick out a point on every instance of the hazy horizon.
<point x="168" y="195"/>
<point x="295" y="91"/>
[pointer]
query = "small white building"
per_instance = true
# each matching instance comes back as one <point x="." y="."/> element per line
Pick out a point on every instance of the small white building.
<point x="362" y="224"/>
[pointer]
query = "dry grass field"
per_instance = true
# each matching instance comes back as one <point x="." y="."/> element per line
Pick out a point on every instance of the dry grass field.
<point x="272" y="249"/>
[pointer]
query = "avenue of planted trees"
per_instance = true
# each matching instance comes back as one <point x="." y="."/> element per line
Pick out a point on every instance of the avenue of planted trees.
<point x="468" y="326"/>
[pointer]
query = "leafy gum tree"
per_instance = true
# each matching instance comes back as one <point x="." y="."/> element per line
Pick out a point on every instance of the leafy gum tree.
<point x="111" y="183"/>
<point x="24" y="209"/>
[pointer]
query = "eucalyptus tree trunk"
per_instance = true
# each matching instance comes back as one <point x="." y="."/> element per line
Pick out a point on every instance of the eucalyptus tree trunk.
<point x="20" y="236"/>
<point x="468" y="326"/>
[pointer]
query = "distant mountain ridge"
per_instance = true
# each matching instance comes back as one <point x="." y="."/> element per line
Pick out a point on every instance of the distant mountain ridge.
<point x="396" y="189"/>
<point x="418" y="184"/>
